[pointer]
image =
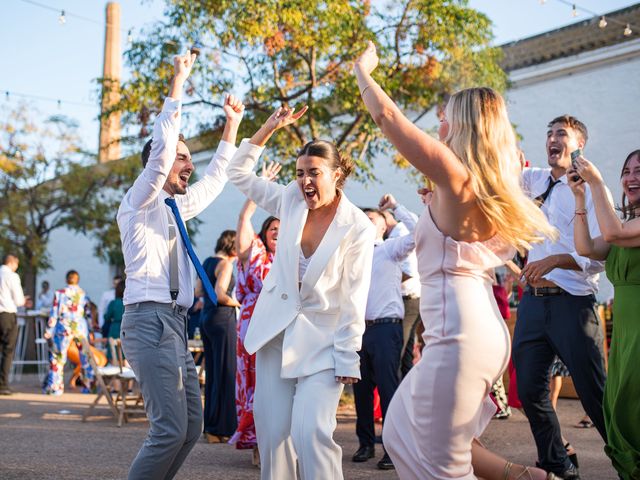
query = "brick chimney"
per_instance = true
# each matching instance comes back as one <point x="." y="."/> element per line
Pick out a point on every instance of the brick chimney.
<point x="112" y="70"/>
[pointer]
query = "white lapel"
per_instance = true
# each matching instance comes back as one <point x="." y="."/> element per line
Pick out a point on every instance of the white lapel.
<point x="328" y="245"/>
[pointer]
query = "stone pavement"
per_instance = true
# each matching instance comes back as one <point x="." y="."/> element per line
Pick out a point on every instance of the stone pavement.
<point x="42" y="437"/>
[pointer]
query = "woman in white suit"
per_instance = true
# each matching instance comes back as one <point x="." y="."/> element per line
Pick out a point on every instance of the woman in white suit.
<point x="308" y="322"/>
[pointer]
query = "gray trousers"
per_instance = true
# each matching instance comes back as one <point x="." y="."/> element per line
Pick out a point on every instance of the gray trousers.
<point x="154" y="340"/>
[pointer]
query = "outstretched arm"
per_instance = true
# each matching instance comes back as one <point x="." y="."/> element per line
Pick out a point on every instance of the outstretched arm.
<point x="594" y="248"/>
<point x="265" y="193"/>
<point x="623" y="234"/>
<point x="244" y="232"/>
<point x="165" y="139"/>
<point x="428" y="155"/>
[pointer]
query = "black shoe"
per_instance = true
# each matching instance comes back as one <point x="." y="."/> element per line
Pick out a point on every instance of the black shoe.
<point x="364" y="453"/>
<point x="569" y="474"/>
<point x="385" y="463"/>
<point x="5" y="391"/>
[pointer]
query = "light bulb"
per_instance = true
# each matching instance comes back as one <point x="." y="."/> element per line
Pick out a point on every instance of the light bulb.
<point x="574" y="11"/>
<point x="62" y="19"/>
<point x="627" y="30"/>
<point x="603" y="22"/>
<point x="129" y="37"/>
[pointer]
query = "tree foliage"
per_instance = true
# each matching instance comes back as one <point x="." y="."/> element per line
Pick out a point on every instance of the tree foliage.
<point x="47" y="182"/>
<point x="297" y="52"/>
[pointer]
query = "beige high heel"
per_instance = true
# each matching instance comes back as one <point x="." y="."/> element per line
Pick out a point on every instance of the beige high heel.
<point x="526" y="471"/>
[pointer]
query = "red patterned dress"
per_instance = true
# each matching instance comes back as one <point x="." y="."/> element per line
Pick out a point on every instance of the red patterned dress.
<point x="247" y="290"/>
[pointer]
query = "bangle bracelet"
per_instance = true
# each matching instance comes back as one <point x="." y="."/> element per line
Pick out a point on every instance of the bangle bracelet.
<point x="364" y="89"/>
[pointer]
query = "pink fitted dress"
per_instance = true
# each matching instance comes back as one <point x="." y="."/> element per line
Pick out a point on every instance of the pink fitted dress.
<point x="444" y="402"/>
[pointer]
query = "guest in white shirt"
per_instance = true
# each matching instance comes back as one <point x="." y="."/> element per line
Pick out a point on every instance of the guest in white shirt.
<point x="45" y="298"/>
<point x="556" y="315"/>
<point x="11" y="297"/>
<point x="382" y="339"/>
<point x="411" y="288"/>
<point x="159" y="284"/>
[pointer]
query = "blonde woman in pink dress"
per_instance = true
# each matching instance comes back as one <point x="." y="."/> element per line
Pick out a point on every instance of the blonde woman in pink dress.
<point x="477" y="218"/>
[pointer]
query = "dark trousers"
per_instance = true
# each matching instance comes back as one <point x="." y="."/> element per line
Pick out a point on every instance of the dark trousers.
<point x="409" y="325"/>
<point x="8" y="337"/>
<point x="567" y="326"/>
<point x="219" y="340"/>
<point x="379" y="361"/>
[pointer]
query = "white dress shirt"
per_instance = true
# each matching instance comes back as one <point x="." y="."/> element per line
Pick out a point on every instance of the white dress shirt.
<point x="143" y="215"/>
<point x="559" y="207"/>
<point x="411" y="287"/>
<point x="11" y="295"/>
<point x="385" y="295"/>
<point x="45" y="300"/>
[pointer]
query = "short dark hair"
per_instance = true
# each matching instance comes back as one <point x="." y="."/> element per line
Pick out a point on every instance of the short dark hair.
<point x="8" y="256"/>
<point x="572" y="122"/>
<point x="120" y="289"/>
<point x="329" y="152"/>
<point x="266" y="225"/>
<point x="45" y="284"/>
<point x="146" y="150"/>
<point x="226" y="242"/>
<point x="71" y="272"/>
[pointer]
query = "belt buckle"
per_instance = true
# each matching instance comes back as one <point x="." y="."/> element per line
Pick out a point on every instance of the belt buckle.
<point x="535" y="292"/>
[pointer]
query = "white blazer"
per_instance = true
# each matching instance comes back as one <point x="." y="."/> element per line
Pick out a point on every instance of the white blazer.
<point x="323" y="321"/>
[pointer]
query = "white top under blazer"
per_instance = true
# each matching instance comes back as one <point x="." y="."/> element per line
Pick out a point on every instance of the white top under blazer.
<point x="323" y="320"/>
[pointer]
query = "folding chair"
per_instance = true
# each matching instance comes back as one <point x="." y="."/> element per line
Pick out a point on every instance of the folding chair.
<point x="104" y="380"/>
<point x="126" y="402"/>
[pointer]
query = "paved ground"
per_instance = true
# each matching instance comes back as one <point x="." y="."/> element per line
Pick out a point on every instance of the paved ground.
<point x="43" y="438"/>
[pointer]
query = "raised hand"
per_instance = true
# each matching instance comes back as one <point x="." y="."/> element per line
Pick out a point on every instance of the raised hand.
<point x="368" y="60"/>
<point x="387" y="202"/>
<point x="182" y="65"/>
<point x="587" y="170"/>
<point x="576" y="183"/>
<point x="233" y="108"/>
<point x="270" y="171"/>
<point x="284" y="116"/>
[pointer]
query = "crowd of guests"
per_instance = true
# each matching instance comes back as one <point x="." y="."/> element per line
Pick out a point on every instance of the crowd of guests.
<point x="330" y="294"/>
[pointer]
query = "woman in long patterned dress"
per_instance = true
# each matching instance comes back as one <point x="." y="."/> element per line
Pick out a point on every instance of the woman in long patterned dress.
<point x="255" y="255"/>
<point x="619" y="245"/>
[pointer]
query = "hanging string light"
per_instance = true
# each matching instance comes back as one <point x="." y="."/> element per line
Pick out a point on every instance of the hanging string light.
<point x="129" y="37"/>
<point x="62" y="19"/>
<point x="603" y="22"/>
<point x="627" y="30"/>
<point x="574" y="11"/>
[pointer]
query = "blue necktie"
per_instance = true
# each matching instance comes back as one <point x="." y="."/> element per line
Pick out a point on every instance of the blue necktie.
<point x="206" y="284"/>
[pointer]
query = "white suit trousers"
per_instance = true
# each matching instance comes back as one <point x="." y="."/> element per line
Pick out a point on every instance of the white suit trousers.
<point x="295" y="419"/>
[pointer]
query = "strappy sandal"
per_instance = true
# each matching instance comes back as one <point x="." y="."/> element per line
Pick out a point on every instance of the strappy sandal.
<point x="526" y="471"/>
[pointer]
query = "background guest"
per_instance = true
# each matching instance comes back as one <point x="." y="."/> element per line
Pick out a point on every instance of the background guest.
<point x="45" y="297"/>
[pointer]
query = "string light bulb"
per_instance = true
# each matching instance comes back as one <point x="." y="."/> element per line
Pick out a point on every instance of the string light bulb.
<point x="129" y="37"/>
<point x="62" y="19"/>
<point x="627" y="30"/>
<point x="603" y="22"/>
<point x="542" y="2"/>
<point x="574" y="11"/>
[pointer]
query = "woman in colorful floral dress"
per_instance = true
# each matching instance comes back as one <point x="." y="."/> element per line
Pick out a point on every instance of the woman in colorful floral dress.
<point x="255" y="255"/>
<point x="67" y="323"/>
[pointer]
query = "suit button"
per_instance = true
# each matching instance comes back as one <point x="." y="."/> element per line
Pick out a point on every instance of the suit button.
<point x="284" y="296"/>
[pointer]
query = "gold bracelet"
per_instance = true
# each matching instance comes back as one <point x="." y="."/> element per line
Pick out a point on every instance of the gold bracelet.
<point x="364" y="89"/>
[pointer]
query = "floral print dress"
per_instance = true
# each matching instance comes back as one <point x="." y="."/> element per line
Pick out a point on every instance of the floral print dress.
<point x="247" y="290"/>
<point x="67" y="323"/>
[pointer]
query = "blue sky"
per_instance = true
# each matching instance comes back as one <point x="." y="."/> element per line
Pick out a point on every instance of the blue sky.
<point x="41" y="57"/>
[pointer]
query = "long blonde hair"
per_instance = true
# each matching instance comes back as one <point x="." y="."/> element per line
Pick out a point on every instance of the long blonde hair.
<point x="481" y="136"/>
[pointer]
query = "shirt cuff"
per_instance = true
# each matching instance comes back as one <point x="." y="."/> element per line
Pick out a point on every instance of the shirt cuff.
<point x="226" y="149"/>
<point x="250" y="148"/>
<point x="171" y="105"/>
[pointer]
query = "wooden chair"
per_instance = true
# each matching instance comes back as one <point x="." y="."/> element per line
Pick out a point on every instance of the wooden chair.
<point x="105" y="377"/>
<point x="129" y="397"/>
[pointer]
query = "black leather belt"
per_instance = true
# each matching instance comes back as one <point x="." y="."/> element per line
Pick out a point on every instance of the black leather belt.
<point x="378" y="321"/>
<point x="545" y="291"/>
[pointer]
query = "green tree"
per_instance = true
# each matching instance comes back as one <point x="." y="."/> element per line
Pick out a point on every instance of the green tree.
<point x="297" y="52"/>
<point x="47" y="182"/>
